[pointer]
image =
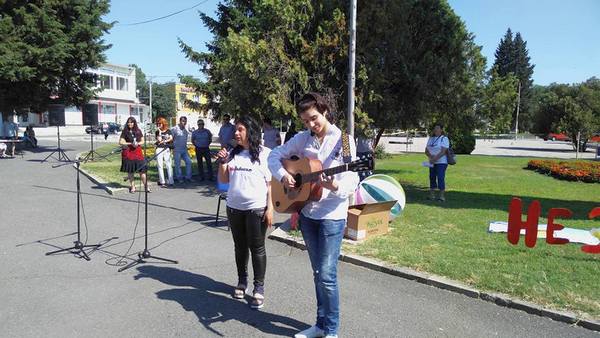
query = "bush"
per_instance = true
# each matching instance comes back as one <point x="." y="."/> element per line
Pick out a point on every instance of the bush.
<point x="380" y="152"/>
<point x="583" y="171"/>
<point x="462" y="143"/>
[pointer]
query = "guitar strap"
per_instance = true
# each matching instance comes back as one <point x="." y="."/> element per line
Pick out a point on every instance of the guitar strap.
<point x="346" y="147"/>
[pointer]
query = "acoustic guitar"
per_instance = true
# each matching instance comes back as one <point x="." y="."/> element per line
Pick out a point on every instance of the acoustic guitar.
<point x="306" y="172"/>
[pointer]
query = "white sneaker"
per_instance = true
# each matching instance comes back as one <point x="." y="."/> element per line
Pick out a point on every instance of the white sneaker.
<point x="311" y="332"/>
<point x="331" y="336"/>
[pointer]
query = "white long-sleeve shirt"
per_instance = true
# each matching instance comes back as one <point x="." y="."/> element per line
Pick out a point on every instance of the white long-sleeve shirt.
<point x="333" y="205"/>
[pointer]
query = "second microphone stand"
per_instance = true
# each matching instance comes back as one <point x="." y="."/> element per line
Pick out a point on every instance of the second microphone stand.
<point x="145" y="254"/>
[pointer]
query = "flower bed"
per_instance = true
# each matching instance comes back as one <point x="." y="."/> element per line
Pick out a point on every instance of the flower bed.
<point x="583" y="171"/>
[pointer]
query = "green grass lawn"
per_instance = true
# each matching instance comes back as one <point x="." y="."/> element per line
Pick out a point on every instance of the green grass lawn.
<point x="451" y="239"/>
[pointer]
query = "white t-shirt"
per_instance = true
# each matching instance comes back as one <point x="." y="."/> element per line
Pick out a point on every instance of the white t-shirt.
<point x="435" y="145"/>
<point x="248" y="181"/>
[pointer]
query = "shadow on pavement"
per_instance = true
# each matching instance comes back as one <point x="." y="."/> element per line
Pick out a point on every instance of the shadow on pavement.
<point x="211" y="301"/>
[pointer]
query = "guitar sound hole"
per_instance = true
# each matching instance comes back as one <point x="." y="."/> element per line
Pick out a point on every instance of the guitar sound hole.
<point x="277" y="203"/>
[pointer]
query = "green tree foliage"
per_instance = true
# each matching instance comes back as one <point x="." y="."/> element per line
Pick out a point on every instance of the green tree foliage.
<point x="141" y="84"/>
<point x="417" y="63"/>
<point x="571" y="109"/>
<point x="498" y="102"/>
<point x="265" y="54"/>
<point x="46" y="46"/>
<point x="164" y="102"/>
<point x="512" y="57"/>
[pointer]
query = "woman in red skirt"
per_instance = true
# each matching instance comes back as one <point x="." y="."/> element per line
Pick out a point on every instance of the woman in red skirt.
<point x="132" y="159"/>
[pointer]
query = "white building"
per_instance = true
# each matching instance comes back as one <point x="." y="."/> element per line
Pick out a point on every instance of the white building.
<point x="114" y="103"/>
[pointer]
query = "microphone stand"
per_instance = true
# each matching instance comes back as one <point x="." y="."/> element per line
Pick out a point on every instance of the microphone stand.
<point x="145" y="254"/>
<point x="78" y="247"/>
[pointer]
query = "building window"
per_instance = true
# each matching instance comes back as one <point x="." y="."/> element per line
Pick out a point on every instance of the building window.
<point x="109" y="109"/>
<point x="133" y="110"/>
<point x="121" y="83"/>
<point x="106" y="82"/>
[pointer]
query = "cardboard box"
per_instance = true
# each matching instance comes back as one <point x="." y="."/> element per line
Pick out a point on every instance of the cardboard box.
<point x="368" y="220"/>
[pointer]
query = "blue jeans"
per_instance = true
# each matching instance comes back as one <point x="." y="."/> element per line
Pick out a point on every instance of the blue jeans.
<point x="323" y="240"/>
<point x="437" y="176"/>
<point x="188" y="164"/>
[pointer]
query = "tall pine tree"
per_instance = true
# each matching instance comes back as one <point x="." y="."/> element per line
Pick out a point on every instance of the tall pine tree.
<point x="512" y="57"/>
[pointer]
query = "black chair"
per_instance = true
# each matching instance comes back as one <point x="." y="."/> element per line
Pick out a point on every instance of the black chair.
<point x="222" y="197"/>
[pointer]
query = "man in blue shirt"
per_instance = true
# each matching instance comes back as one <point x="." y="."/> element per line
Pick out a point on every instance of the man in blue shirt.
<point x="180" y="136"/>
<point x="201" y="139"/>
<point x="226" y="132"/>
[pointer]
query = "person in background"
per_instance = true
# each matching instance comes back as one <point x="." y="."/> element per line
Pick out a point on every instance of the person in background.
<point x="164" y="142"/>
<point x="436" y="149"/>
<point x="201" y="139"/>
<point x="322" y="222"/>
<point x="226" y="132"/>
<point x="180" y="136"/>
<point x="11" y="132"/>
<point x="290" y="132"/>
<point x="271" y="136"/>
<point x="29" y="136"/>
<point x="132" y="159"/>
<point x="105" y="129"/>
<point x="249" y="205"/>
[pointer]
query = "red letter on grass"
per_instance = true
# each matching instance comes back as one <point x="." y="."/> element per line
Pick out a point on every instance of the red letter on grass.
<point x="552" y="214"/>
<point x="515" y="222"/>
<point x="593" y="249"/>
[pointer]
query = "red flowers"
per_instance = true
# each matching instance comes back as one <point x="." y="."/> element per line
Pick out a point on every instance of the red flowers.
<point x="584" y="171"/>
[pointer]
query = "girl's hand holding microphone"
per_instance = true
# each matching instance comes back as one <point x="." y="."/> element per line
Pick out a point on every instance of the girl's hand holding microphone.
<point x="222" y="156"/>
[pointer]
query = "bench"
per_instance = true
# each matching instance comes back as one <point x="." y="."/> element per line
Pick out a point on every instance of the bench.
<point x="18" y="143"/>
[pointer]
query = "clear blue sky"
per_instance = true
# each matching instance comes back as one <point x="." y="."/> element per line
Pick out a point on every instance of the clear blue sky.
<point x="562" y="36"/>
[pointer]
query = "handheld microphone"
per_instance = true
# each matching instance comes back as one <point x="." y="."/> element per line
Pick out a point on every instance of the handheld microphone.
<point x="229" y="147"/>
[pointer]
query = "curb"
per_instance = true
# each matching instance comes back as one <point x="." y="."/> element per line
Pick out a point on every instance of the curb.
<point x="447" y="284"/>
<point x="98" y="181"/>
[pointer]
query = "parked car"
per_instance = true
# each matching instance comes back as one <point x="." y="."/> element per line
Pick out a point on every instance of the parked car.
<point x="99" y="129"/>
<point x="557" y="137"/>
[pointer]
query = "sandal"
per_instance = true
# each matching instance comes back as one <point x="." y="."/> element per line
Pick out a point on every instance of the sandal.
<point x="257" y="301"/>
<point x="240" y="291"/>
<point x="131" y="190"/>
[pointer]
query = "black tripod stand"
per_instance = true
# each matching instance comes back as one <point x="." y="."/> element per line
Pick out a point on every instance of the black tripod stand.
<point x="145" y="254"/>
<point x="61" y="154"/>
<point x="78" y="247"/>
<point x="90" y="155"/>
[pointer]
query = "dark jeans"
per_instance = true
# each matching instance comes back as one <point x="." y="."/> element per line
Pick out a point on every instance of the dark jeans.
<point x="437" y="176"/>
<point x="248" y="230"/>
<point x="200" y="154"/>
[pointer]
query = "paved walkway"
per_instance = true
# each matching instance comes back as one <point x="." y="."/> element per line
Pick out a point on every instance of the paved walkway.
<point x="66" y="296"/>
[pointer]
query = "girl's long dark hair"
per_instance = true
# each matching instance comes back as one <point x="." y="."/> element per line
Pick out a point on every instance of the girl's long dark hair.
<point x="254" y="136"/>
<point x="126" y="133"/>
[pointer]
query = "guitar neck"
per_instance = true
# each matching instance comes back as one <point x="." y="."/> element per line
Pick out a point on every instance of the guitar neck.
<point x="331" y="171"/>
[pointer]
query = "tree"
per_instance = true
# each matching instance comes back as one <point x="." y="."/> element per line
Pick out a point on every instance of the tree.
<point x="164" y="102"/>
<point x="512" y="57"/>
<point x="571" y="109"/>
<point x="417" y="64"/>
<point x="46" y="48"/>
<point x="142" y="85"/>
<point x="265" y="54"/>
<point x="498" y="102"/>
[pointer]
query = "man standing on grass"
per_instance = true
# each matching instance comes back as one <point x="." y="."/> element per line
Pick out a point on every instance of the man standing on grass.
<point x="201" y="139"/>
<point x="180" y="136"/>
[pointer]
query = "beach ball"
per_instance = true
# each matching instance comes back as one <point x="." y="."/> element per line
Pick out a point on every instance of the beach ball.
<point x="381" y="188"/>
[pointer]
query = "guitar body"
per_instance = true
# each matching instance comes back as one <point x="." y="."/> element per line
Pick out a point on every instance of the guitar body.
<point x="287" y="200"/>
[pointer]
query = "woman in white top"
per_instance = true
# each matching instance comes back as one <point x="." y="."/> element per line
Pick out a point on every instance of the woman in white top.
<point x="249" y="206"/>
<point x="436" y="150"/>
<point x="322" y="222"/>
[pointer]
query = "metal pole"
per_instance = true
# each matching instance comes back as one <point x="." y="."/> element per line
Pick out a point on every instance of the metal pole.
<point x="577" y="145"/>
<point x="150" y="94"/>
<point x="518" y="106"/>
<point x="351" y="64"/>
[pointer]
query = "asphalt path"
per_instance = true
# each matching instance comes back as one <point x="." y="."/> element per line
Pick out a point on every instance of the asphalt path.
<point x="64" y="295"/>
